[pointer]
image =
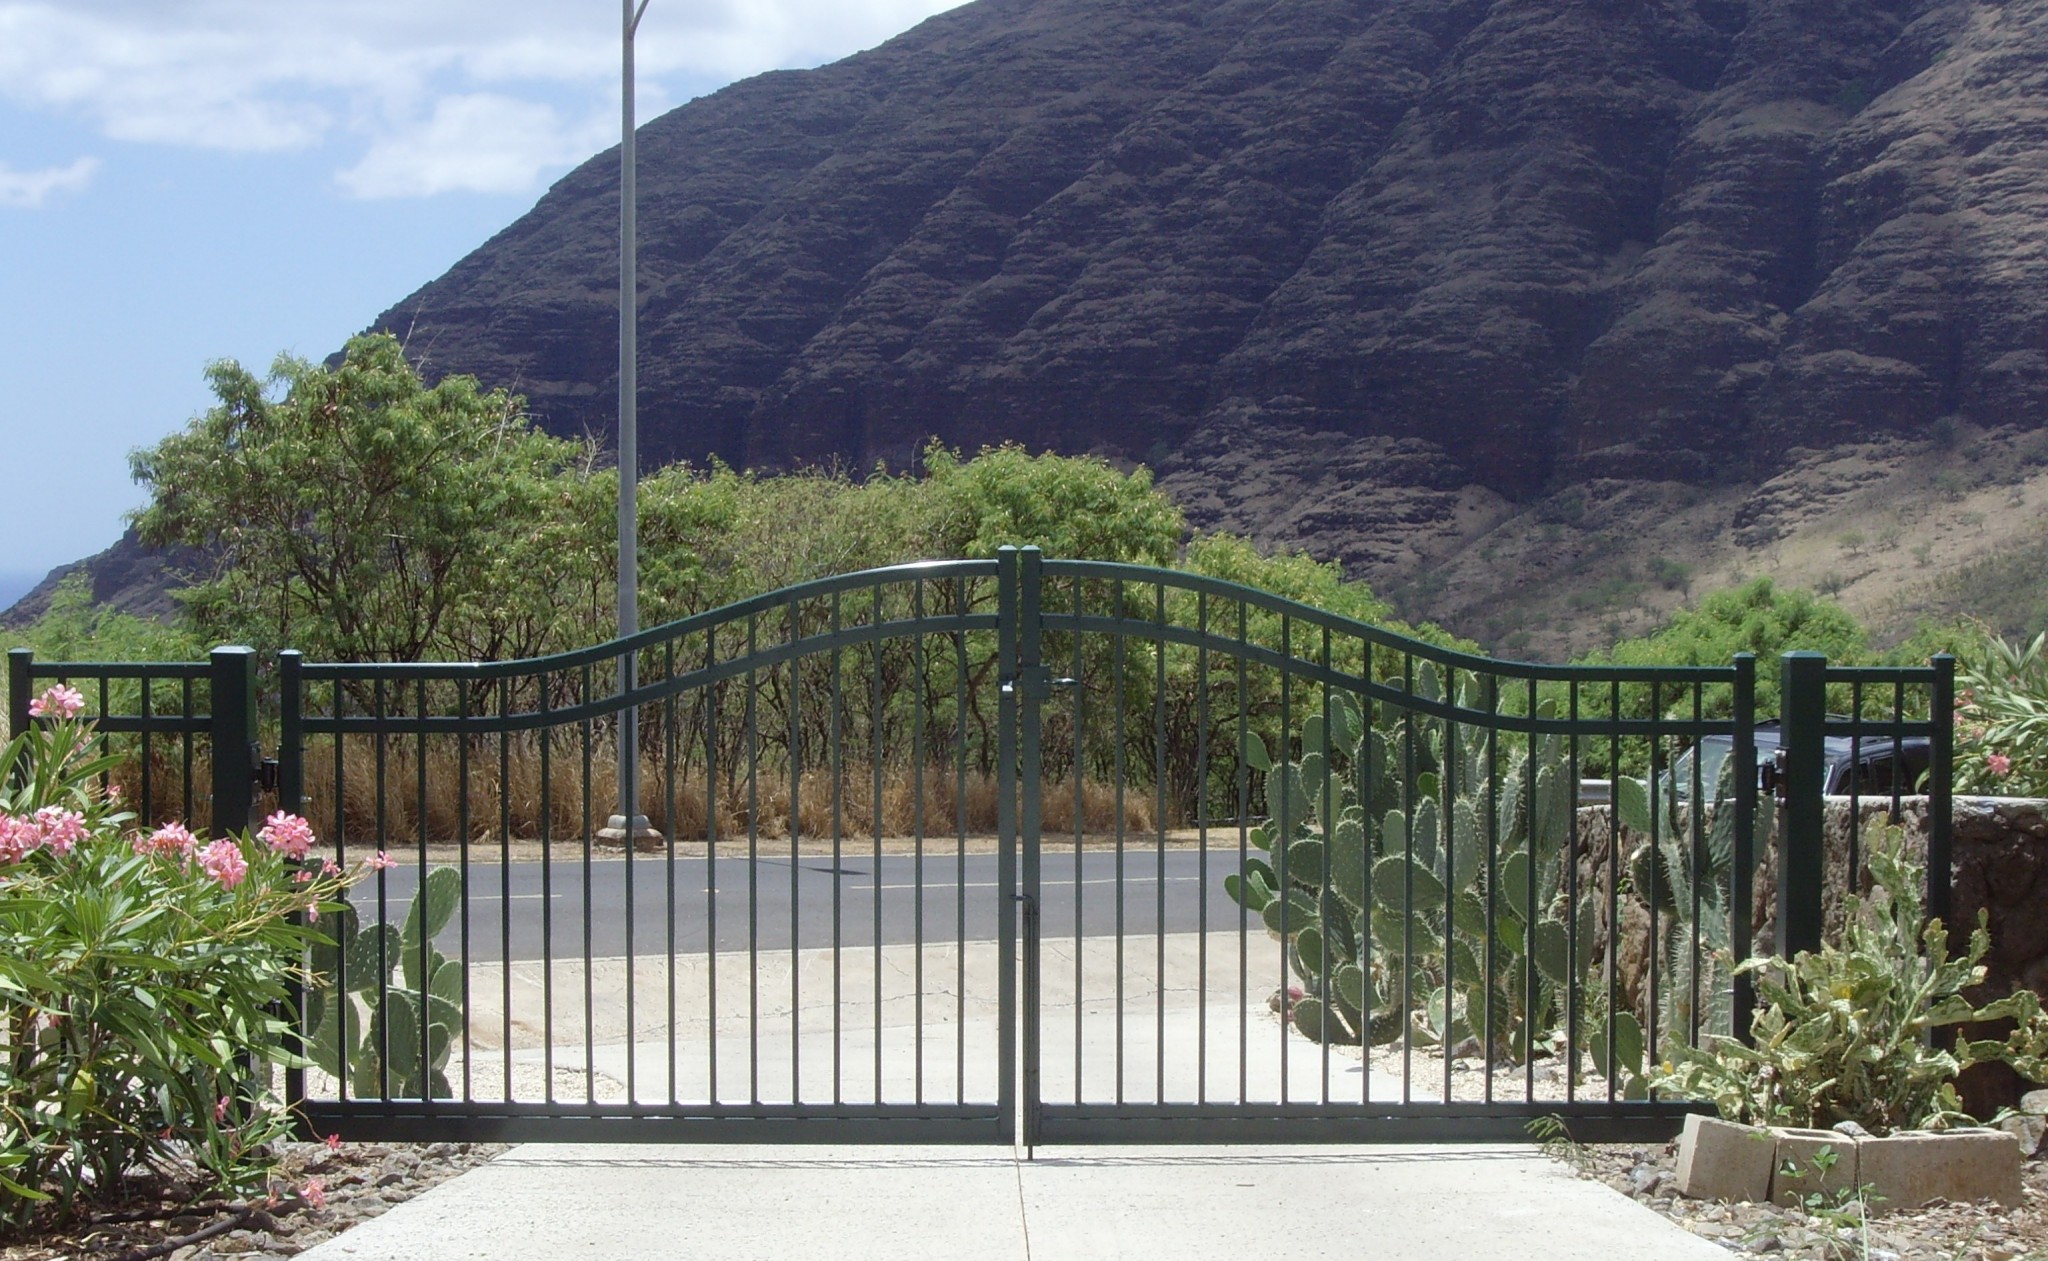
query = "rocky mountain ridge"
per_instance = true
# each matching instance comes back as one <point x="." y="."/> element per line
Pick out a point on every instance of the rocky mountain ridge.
<point x="1388" y="280"/>
<point x="1546" y="238"/>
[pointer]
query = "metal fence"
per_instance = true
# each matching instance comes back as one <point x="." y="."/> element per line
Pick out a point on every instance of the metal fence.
<point x="1059" y="850"/>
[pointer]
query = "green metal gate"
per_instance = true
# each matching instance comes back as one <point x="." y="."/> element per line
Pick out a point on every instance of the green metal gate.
<point x="1022" y="849"/>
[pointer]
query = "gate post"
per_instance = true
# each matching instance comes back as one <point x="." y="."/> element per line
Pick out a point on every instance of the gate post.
<point x="235" y="756"/>
<point x="1743" y="888"/>
<point x="1803" y="701"/>
<point x="1034" y="687"/>
<point x="19" y="661"/>
<point x="1941" y="764"/>
<point x="1007" y="597"/>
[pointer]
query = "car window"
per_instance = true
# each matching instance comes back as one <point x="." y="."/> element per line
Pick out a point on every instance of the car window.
<point x="1885" y="774"/>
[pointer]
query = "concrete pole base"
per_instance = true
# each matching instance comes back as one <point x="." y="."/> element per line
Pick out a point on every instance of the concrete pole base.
<point x="617" y="831"/>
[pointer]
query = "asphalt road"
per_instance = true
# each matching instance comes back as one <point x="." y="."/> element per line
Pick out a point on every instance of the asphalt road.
<point x="774" y="903"/>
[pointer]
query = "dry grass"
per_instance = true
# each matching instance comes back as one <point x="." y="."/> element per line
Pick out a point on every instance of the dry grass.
<point x="515" y="799"/>
<point x="166" y="799"/>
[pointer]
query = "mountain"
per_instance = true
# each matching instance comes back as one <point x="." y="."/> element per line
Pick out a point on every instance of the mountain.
<point x="1544" y="237"/>
<point x="1404" y="282"/>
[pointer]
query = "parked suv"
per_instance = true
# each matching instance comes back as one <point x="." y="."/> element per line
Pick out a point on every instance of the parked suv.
<point x="1869" y="766"/>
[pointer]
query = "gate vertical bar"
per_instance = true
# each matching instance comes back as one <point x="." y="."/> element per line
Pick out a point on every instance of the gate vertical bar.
<point x="1006" y="841"/>
<point x="291" y="733"/>
<point x="1803" y="697"/>
<point x="1034" y="689"/>
<point x="233" y="709"/>
<point x="1740" y="928"/>
<point x="1941" y="814"/>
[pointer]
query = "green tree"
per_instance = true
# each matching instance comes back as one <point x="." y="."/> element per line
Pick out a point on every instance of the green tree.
<point x="73" y="628"/>
<point x="356" y="513"/>
<point x="1759" y="617"/>
<point x="1075" y="508"/>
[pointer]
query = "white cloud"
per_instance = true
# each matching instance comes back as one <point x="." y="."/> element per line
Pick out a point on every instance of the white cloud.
<point x="482" y="142"/>
<point x="32" y="188"/>
<point x="405" y="85"/>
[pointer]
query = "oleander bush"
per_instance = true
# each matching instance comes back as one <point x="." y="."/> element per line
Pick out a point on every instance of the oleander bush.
<point x="2002" y="718"/>
<point x="142" y="975"/>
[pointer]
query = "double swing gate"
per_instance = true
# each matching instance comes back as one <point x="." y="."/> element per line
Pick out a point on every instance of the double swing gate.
<point x="1011" y="850"/>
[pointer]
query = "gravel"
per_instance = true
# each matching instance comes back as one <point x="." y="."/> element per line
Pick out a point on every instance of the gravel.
<point x="1941" y="1232"/>
<point x="358" y="1181"/>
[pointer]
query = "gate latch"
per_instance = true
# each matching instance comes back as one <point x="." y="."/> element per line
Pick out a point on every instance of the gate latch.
<point x="1035" y="683"/>
<point x="1770" y="776"/>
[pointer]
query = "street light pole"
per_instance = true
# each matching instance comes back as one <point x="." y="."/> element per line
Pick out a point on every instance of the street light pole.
<point x="628" y="825"/>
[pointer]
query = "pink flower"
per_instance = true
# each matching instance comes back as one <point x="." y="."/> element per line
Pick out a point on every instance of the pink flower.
<point x="328" y="867"/>
<point x="61" y="828"/>
<point x="220" y="1109"/>
<point x="2000" y="764"/>
<point x="314" y="1193"/>
<point x="334" y="1142"/>
<point x="288" y="834"/>
<point x="58" y="702"/>
<point x="301" y="877"/>
<point x="381" y="861"/>
<point x="224" y="862"/>
<point x="170" y="840"/>
<point x="114" y="793"/>
<point x="18" y="838"/>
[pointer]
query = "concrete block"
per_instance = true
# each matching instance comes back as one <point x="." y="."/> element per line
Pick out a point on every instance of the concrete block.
<point x="1800" y="1151"/>
<point x="1910" y="1170"/>
<point x="1720" y="1160"/>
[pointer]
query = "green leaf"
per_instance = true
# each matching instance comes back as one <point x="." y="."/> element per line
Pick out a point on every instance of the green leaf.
<point x="1301" y="861"/>
<point x="1512" y="877"/>
<point x="1395" y="880"/>
<point x="1308" y="945"/>
<point x="1291" y="914"/>
<point x="447" y="982"/>
<point x="1253" y="751"/>
<point x="1256" y="889"/>
<point x="371" y="957"/>
<point x="438" y="901"/>
<point x="1355" y="987"/>
<point x="1553" y="946"/>
<point x="1345" y="723"/>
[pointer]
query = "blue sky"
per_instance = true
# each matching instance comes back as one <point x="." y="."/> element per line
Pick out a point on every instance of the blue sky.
<point x="207" y="179"/>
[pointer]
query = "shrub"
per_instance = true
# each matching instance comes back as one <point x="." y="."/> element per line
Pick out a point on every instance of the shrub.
<point x="2002" y="718"/>
<point x="143" y="974"/>
<point x="1851" y="1033"/>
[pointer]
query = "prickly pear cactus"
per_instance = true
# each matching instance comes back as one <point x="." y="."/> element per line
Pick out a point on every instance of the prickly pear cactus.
<point x="1685" y="874"/>
<point x="1416" y="871"/>
<point x="382" y="1015"/>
